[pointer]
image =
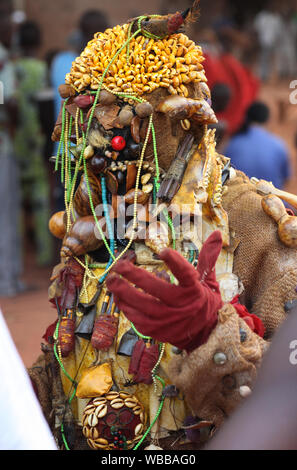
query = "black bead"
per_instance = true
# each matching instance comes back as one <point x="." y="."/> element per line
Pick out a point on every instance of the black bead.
<point x="290" y="305"/>
<point x="243" y="335"/>
<point x="133" y="148"/>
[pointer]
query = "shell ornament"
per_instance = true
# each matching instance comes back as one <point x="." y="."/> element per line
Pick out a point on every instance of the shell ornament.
<point x="114" y="421"/>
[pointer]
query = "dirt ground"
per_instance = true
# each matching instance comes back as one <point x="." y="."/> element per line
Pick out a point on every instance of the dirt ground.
<point x="29" y="314"/>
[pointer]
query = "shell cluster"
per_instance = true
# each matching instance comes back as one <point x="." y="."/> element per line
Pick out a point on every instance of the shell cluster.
<point x="171" y="63"/>
<point x="103" y="413"/>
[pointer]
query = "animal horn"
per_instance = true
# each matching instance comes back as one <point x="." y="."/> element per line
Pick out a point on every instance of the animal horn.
<point x="180" y="108"/>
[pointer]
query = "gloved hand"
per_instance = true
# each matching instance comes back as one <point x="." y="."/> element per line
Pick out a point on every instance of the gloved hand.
<point x="183" y="315"/>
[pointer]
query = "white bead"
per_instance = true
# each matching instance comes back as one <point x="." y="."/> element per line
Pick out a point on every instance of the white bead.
<point x="244" y="391"/>
<point x="153" y="447"/>
<point x="220" y="358"/>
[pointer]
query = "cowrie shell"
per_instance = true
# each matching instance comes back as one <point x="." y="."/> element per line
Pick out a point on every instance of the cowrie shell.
<point x="100" y="408"/>
<point x="244" y="391"/>
<point x="137" y="410"/>
<point x="99" y="401"/>
<point x="145" y="178"/>
<point x="103" y="412"/>
<point x="92" y="420"/>
<point x="91" y="444"/>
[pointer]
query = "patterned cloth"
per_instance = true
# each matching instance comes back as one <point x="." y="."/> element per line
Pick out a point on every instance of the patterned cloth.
<point x="10" y="255"/>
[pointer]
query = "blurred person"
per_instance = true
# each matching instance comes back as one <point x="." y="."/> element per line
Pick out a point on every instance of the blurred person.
<point x="224" y="68"/>
<point x="267" y="419"/>
<point x="269" y="28"/>
<point x="220" y="99"/>
<point x="31" y="74"/>
<point x="90" y="23"/>
<point x="256" y="151"/>
<point x="10" y="254"/>
<point x="286" y="48"/>
<point x="23" y="424"/>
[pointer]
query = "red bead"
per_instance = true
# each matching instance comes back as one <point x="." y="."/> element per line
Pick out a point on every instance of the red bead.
<point x="118" y="143"/>
<point x="84" y="101"/>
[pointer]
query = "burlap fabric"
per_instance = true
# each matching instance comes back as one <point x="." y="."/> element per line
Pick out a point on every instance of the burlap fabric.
<point x="169" y="133"/>
<point x="213" y="390"/>
<point x="266" y="267"/>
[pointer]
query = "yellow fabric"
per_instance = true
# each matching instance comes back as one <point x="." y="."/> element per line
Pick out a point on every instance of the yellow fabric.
<point x="95" y="381"/>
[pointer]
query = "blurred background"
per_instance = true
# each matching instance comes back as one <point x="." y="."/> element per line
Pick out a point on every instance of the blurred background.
<point x="251" y="66"/>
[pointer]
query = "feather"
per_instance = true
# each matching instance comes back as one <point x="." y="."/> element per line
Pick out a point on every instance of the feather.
<point x="193" y="13"/>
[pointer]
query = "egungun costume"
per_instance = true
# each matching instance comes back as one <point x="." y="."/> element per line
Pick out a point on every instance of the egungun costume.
<point x="175" y="268"/>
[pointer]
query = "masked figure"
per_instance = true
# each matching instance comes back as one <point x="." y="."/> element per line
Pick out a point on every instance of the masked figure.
<point x="175" y="268"/>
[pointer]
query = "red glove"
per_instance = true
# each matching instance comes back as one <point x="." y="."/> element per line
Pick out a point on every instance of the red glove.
<point x="251" y="320"/>
<point x="182" y="315"/>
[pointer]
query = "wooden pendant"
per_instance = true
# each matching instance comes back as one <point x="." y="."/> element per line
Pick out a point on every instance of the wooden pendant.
<point x="66" y="333"/>
<point x="111" y="182"/>
<point x="175" y="174"/>
<point x="82" y="237"/>
<point x="131" y="176"/>
<point x="135" y="129"/>
<point x="180" y="108"/>
<point x="125" y="116"/>
<point x="287" y="224"/>
<point x="158" y="236"/>
<point x="142" y="197"/>
<point x="264" y="188"/>
<point x="57" y="225"/>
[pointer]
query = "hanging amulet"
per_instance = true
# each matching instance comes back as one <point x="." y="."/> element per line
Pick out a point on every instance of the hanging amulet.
<point x="105" y="326"/>
<point x="287" y="224"/>
<point x="81" y="202"/>
<point x="66" y="336"/>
